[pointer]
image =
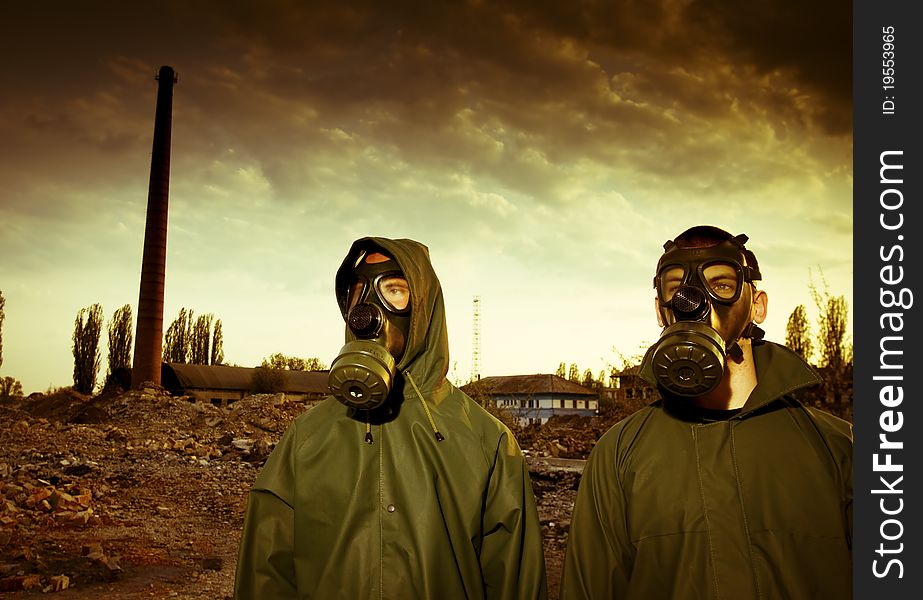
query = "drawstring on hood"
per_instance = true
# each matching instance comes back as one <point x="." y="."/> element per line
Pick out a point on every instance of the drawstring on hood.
<point x="429" y="416"/>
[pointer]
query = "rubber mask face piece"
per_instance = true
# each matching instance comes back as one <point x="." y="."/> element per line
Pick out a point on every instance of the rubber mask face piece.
<point x="378" y="315"/>
<point x="705" y="300"/>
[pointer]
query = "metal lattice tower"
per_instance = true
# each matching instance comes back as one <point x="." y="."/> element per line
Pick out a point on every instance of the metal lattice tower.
<point x="476" y="339"/>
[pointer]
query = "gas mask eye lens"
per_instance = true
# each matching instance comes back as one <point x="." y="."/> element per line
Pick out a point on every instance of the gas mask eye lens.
<point x="722" y="279"/>
<point x="355" y="292"/>
<point x="394" y="291"/>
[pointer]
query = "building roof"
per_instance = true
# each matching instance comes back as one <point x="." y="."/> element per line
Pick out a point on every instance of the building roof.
<point x="223" y="377"/>
<point x="526" y="385"/>
<point x="632" y="370"/>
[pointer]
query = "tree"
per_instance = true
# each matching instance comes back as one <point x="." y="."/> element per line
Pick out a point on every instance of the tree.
<point x="217" y="357"/>
<point x="835" y="352"/>
<point x="573" y="373"/>
<point x="2" y="316"/>
<point x="314" y="364"/>
<point x="10" y="389"/>
<point x="293" y="363"/>
<point x="603" y="380"/>
<point x="120" y="338"/>
<point x="588" y="380"/>
<point x="831" y="330"/>
<point x="194" y="340"/>
<point x="176" y="343"/>
<point x="87" y="328"/>
<point x="562" y="371"/>
<point x="200" y="340"/>
<point x="798" y="333"/>
<point x="267" y="380"/>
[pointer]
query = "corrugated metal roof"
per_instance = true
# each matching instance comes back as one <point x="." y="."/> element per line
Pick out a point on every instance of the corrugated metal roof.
<point x="526" y="384"/>
<point x="223" y="377"/>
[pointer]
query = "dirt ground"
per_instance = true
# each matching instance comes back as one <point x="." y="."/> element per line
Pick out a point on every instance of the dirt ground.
<point x="142" y="495"/>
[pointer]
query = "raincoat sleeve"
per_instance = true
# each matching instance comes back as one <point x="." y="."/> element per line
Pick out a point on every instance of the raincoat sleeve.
<point x="599" y="556"/>
<point x="265" y="567"/>
<point x="512" y="559"/>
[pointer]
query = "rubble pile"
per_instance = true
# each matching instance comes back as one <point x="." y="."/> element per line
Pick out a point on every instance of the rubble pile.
<point x="142" y="494"/>
<point x="564" y="436"/>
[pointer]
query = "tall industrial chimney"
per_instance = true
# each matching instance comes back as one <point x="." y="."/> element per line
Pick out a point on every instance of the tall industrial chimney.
<point x="149" y="334"/>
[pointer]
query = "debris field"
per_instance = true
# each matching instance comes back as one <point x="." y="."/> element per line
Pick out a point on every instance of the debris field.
<point x="142" y="494"/>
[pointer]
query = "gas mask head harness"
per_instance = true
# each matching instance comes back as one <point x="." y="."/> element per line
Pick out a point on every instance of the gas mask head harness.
<point x="375" y="302"/>
<point x="705" y="298"/>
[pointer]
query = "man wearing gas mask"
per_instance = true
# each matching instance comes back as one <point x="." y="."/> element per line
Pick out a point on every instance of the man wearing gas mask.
<point x="398" y="485"/>
<point x="727" y="487"/>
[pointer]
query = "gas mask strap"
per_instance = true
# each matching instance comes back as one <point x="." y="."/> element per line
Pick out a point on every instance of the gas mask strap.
<point x="754" y="332"/>
<point x="735" y="352"/>
<point x="429" y="417"/>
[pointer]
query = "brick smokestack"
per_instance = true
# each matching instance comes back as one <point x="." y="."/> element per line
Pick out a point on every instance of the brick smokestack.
<point x="149" y="334"/>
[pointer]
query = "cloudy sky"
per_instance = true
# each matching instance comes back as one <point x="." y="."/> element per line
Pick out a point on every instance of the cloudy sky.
<point x="543" y="150"/>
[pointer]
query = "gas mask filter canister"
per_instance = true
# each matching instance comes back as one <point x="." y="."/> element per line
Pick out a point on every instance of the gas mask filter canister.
<point x="362" y="374"/>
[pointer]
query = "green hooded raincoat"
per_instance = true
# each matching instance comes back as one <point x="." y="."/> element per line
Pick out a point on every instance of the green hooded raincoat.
<point x="403" y="516"/>
<point x="755" y="506"/>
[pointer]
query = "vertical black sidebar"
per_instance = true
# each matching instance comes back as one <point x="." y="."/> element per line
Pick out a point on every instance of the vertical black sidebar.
<point x="888" y="225"/>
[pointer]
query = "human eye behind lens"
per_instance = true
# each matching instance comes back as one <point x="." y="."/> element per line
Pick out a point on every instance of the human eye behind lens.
<point x="671" y="279"/>
<point x="721" y="279"/>
<point x="669" y="288"/>
<point x="723" y="286"/>
<point x="395" y="291"/>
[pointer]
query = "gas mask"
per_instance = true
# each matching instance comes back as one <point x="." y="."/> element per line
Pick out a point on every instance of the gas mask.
<point x="376" y="306"/>
<point x="705" y="301"/>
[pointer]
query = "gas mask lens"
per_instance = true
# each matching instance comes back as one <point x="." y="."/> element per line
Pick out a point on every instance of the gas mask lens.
<point x="720" y="280"/>
<point x="394" y="292"/>
<point x="355" y="292"/>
